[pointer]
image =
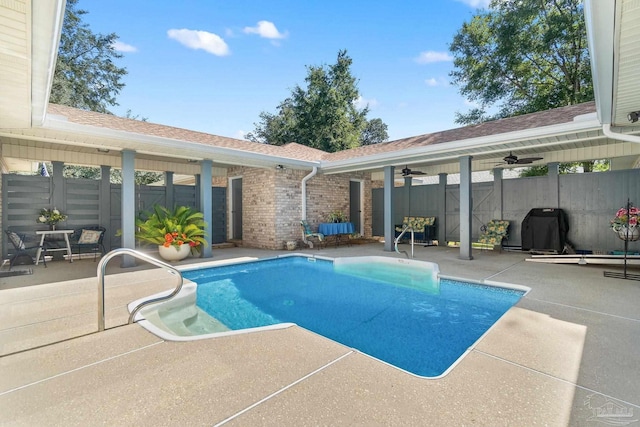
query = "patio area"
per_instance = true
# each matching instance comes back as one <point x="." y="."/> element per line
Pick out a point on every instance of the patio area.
<point x="564" y="355"/>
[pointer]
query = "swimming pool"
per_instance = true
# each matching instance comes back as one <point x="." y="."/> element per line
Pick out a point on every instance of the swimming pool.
<point x="406" y="320"/>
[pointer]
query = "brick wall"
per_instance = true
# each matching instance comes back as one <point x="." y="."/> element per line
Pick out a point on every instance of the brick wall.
<point x="272" y="203"/>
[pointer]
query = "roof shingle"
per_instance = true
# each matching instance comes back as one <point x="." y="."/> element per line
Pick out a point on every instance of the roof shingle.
<point x="301" y="152"/>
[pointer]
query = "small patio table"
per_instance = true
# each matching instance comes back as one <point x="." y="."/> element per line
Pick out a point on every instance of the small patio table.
<point x="337" y="229"/>
<point x="45" y="233"/>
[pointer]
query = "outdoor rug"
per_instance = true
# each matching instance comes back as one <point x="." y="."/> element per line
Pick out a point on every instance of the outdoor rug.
<point x="15" y="273"/>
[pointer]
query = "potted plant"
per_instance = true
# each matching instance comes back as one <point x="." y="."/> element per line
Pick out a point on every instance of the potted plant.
<point x="177" y="233"/>
<point x="337" y="216"/>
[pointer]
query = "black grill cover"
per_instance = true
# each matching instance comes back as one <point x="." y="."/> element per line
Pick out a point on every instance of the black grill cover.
<point x="545" y="229"/>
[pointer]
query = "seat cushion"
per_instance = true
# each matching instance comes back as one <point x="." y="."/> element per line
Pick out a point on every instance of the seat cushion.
<point x="89" y="237"/>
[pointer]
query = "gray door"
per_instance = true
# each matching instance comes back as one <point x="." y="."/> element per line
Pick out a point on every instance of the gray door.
<point x="355" y="209"/>
<point x="236" y="208"/>
<point x="377" y="211"/>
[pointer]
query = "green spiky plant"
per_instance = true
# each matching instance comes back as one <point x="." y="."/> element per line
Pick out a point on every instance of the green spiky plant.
<point x="162" y="226"/>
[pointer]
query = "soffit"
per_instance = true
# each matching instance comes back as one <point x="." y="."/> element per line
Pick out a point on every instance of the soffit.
<point x="585" y="139"/>
<point x="78" y="138"/>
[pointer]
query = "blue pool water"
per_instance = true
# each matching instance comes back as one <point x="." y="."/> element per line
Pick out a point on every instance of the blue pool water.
<point x="421" y="331"/>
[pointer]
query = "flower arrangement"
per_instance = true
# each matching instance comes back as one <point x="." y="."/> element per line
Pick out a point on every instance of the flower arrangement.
<point x="182" y="226"/>
<point x="336" y="216"/>
<point x="51" y="216"/>
<point x="625" y="218"/>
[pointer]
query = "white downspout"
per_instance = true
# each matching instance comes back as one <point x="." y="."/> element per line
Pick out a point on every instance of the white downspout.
<point x="304" y="203"/>
<point x="606" y="129"/>
<point x="304" y="191"/>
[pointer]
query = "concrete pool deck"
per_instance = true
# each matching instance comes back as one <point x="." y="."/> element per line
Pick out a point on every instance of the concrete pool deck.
<point x="567" y="354"/>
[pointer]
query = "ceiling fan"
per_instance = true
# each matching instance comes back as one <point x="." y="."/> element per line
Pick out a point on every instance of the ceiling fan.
<point x="512" y="159"/>
<point x="408" y="172"/>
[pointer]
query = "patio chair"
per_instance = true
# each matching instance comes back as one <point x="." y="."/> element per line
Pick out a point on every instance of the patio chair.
<point x="88" y="239"/>
<point x="21" y="253"/>
<point x="493" y="234"/>
<point x="308" y="235"/>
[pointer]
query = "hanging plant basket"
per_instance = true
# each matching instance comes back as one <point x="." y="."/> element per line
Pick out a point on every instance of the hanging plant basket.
<point x="630" y="234"/>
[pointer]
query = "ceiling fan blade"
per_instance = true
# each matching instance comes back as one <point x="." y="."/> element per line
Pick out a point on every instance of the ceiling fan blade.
<point x="417" y="173"/>
<point x="527" y="160"/>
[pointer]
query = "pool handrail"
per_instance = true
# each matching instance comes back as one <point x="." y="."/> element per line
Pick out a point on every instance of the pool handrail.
<point x="102" y="265"/>
<point x="397" y="240"/>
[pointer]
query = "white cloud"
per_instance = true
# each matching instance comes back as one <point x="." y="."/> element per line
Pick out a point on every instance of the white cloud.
<point x="437" y="81"/>
<point x="363" y="102"/>
<point x="476" y="4"/>
<point x="123" y="47"/>
<point x="204" y="40"/>
<point x="431" y="56"/>
<point x="266" y="30"/>
<point x="240" y="134"/>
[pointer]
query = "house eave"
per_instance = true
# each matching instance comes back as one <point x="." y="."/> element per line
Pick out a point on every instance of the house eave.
<point x="546" y="136"/>
<point x="59" y="131"/>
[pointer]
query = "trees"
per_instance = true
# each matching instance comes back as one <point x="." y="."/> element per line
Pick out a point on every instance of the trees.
<point x="374" y="132"/>
<point x="522" y="56"/>
<point x="323" y="115"/>
<point x="86" y="76"/>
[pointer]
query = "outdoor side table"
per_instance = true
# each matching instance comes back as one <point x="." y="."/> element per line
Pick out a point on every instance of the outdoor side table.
<point x="45" y="233"/>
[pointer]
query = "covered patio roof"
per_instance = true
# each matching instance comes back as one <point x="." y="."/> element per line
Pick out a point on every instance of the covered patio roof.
<point x="28" y="130"/>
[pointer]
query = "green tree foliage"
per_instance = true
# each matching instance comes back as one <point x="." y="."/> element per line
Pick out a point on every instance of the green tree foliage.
<point x="86" y="75"/>
<point x="543" y="170"/>
<point x="323" y="115"/>
<point x="522" y="56"/>
<point x="374" y="132"/>
<point x="90" y="172"/>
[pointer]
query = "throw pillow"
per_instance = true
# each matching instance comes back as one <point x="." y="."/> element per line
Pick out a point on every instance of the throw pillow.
<point x="89" y="237"/>
<point x="16" y="240"/>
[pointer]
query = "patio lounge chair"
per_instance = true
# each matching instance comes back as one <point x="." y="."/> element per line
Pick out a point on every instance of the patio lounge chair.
<point x="308" y="235"/>
<point x="493" y="233"/>
<point x="88" y="239"/>
<point x="21" y="253"/>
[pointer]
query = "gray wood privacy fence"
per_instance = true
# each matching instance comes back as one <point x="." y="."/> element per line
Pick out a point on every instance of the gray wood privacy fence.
<point x="589" y="199"/>
<point x="24" y="196"/>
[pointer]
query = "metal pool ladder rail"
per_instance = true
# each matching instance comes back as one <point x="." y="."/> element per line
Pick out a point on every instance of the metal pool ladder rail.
<point x="397" y="240"/>
<point x="136" y="254"/>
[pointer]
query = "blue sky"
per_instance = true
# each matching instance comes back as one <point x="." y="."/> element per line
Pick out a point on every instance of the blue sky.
<point x="213" y="66"/>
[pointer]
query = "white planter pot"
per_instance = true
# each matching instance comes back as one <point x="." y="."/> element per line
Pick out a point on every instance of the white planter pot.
<point x="174" y="253"/>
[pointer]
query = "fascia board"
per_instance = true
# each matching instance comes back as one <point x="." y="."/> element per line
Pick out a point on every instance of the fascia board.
<point x="449" y="148"/>
<point x="600" y="22"/>
<point x="159" y="142"/>
<point x="46" y="29"/>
